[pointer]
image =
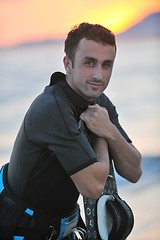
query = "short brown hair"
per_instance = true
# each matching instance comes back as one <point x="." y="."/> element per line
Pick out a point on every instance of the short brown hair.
<point x="89" y="31"/>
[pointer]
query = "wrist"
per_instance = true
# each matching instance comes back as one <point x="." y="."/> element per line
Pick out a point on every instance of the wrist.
<point x="110" y="134"/>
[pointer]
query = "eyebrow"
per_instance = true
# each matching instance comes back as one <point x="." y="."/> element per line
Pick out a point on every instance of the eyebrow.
<point x="95" y="60"/>
<point x="90" y="58"/>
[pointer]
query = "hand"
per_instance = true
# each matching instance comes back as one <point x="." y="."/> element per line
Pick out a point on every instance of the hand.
<point x="126" y="158"/>
<point x="97" y="120"/>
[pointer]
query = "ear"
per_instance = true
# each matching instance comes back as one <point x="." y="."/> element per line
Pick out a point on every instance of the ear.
<point x="67" y="64"/>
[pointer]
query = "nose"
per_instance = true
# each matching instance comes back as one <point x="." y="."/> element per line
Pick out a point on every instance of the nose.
<point x="97" y="74"/>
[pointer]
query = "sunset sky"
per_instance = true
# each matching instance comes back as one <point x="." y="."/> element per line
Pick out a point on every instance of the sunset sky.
<point x="32" y="20"/>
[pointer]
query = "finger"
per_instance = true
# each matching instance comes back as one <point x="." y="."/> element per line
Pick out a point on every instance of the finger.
<point x="94" y="106"/>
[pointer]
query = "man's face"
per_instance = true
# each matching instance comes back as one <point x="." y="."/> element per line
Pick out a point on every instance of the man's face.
<point x="91" y="71"/>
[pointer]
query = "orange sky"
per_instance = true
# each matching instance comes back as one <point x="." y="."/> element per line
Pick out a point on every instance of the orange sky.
<point x="31" y="20"/>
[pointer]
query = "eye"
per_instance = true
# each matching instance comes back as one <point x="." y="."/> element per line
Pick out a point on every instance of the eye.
<point x="107" y="65"/>
<point x="89" y="63"/>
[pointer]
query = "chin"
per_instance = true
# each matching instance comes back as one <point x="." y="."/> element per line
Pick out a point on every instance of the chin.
<point x="90" y="98"/>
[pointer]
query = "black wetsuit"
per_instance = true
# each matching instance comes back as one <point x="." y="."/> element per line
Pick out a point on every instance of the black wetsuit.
<point x="50" y="147"/>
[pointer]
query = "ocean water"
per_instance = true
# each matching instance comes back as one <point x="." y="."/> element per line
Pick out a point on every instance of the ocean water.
<point x="134" y="89"/>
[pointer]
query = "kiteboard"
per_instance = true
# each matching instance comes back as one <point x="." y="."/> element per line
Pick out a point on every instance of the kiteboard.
<point x="90" y="205"/>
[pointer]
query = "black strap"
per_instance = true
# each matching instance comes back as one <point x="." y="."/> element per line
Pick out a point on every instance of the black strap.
<point x="31" y="234"/>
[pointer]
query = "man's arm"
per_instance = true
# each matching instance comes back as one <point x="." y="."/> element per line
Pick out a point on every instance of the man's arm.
<point x="126" y="157"/>
<point x="91" y="180"/>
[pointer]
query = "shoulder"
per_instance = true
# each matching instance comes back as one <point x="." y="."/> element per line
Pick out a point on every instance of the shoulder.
<point x="49" y="102"/>
<point x="104" y="101"/>
<point x="51" y="112"/>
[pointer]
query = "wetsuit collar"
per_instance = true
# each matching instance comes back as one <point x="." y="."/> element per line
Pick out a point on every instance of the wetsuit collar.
<point x="80" y="103"/>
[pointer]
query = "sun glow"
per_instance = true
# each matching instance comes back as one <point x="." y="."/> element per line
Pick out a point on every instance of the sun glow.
<point x="32" y="20"/>
<point x="122" y="15"/>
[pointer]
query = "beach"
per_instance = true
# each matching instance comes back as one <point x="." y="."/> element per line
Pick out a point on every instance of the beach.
<point x="145" y="204"/>
<point x="144" y="199"/>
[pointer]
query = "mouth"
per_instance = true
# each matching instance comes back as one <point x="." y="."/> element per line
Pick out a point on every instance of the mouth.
<point x="95" y="84"/>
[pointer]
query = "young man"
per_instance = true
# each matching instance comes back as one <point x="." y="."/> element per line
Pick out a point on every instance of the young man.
<point x="52" y="160"/>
